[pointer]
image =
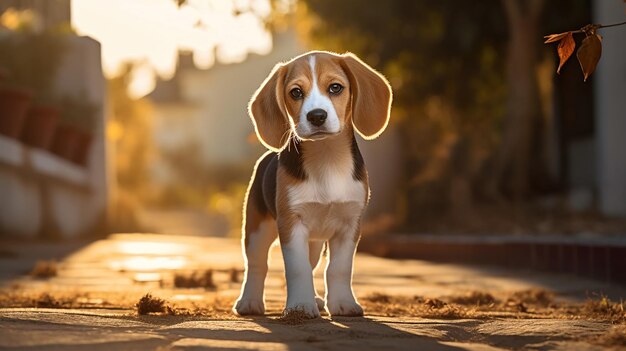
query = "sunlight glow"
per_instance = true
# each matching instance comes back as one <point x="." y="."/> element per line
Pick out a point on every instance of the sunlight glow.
<point x="148" y="264"/>
<point x="187" y="297"/>
<point x="151" y="248"/>
<point x="152" y="31"/>
<point x="147" y="277"/>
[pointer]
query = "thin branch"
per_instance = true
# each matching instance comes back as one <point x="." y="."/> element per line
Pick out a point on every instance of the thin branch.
<point x="612" y="25"/>
<point x="586" y="28"/>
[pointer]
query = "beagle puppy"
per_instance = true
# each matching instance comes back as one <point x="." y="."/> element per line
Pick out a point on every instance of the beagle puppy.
<point x="311" y="188"/>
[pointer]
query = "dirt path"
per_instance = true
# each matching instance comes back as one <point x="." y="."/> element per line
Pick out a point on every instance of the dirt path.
<point x="409" y="304"/>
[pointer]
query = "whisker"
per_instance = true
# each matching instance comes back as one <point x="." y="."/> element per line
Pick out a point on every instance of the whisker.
<point x="288" y="133"/>
<point x="296" y="141"/>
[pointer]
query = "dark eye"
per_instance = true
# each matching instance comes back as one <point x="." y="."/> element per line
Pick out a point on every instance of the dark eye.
<point x="335" y="88"/>
<point x="296" y="93"/>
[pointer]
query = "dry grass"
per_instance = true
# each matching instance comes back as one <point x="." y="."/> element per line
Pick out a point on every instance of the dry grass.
<point x="530" y="301"/>
<point x="45" y="269"/>
<point x="195" y="280"/>
<point x="535" y="303"/>
<point x="604" y="309"/>
<point x="51" y="300"/>
<point x="217" y="307"/>
<point x="45" y="300"/>
<point x="521" y="304"/>
<point x="474" y="298"/>
<point x="294" y="317"/>
<point x="211" y="306"/>
<point x="615" y="336"/>
<point x="378" y="298"/>
<point x="150" y="304"/>
<point x="390" y="306"/>
<point x="538" y="297"/>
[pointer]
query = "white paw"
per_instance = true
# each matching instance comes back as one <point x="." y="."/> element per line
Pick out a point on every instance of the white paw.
<point x="320" y="303"/>
<point x="247" y="307"/>
<point x="347" y="307"/>
<point x="310" y="309"/>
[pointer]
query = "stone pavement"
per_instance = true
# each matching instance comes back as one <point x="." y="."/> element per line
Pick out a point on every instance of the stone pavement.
<point x="107" y="276"/>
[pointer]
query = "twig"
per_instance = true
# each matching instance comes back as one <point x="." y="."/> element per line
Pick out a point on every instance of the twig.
<point x="613" y="25"/>
<point x="593" y="27"/>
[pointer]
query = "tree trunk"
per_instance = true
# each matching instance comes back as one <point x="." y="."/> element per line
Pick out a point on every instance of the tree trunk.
<point x="512" y="167"/>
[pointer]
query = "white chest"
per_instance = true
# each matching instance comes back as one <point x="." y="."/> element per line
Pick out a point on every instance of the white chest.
<point x="329" y="186"/>
<point x="328" y="203"/>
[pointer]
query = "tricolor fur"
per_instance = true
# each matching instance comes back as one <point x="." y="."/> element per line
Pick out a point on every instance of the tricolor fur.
<point x="312" y="187"/>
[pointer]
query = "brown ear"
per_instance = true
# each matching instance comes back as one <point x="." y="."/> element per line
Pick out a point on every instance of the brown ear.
<point x="267" y="111"/>
<point x="371" y="97"/>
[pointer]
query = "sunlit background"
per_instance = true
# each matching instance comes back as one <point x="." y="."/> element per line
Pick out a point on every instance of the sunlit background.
<point x="152" y="32"/>
<point x="126" y="149"/>
<point x="133" y="114"/>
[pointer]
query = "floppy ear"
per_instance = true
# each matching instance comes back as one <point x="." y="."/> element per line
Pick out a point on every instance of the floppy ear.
<point x="268" y="113"/>
<point x="371" y="97"/>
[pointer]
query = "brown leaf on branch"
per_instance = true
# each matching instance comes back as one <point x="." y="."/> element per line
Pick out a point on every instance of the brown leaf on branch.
<point x="565" y="49"/>
<point x="556" y="37"/>
<point x="589" y="54"/>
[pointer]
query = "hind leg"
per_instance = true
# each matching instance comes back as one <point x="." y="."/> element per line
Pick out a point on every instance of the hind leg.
<point x="256" y="243"/>
<point x="315" y="251"/>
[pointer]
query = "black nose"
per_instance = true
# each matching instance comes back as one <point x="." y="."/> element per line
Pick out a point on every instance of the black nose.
<point x="316" y="117"/>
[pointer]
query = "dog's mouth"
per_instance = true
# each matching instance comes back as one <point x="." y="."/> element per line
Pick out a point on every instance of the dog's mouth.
<point x="319" y="135"/>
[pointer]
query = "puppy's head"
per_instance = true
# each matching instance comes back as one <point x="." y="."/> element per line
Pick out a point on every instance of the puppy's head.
<point x="316" y="95"/>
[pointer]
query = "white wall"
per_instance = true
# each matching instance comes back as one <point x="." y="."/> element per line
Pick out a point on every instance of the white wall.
<point x="77" y="196"/>
<point x="610" y="108"/>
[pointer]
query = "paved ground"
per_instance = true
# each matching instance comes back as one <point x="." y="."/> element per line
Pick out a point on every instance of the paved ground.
<point x="100" y="281"/>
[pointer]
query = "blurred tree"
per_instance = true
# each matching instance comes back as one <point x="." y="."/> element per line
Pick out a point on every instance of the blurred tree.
<point x="130" y="137"/>
<point x="131" y="129"/>
<point x="512" y="164"/>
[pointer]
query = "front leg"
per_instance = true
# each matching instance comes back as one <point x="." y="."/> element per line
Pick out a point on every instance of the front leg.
<point x="315" y="251"/>
<point x="340" y="300"/>
<point x="298" y="272"/>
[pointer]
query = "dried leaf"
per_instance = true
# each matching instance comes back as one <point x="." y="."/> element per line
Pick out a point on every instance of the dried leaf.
<point x="555" y="37"/>
<point x="589" y="54"/>
<point x="565" y="49"/>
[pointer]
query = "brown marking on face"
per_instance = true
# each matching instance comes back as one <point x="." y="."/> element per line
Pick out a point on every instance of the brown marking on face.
<point x="328" y="70"/>
<point x="372" y="96"/>
<point x="298" y="76"/>
<point x="267" y="111"/>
